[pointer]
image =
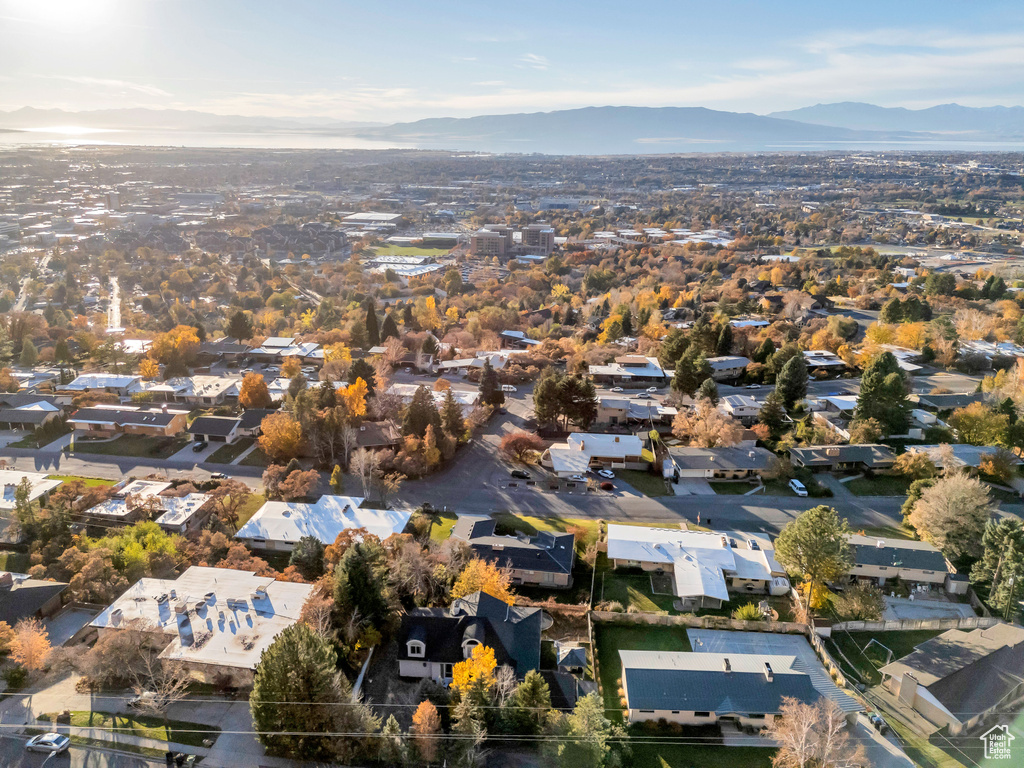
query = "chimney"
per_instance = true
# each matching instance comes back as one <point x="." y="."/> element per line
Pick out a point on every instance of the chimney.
<point x="726" y="666"/>
<point x="768" y="674"/>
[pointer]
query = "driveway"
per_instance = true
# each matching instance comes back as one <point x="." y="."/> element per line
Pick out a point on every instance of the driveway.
<point x="187" y="454"/>
<point x="692" y="486"/>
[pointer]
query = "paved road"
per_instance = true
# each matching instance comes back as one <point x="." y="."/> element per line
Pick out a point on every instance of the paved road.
<point x="14" y="755"/>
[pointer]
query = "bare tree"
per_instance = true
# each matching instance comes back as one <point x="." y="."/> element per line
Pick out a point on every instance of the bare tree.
<point x="707" y="427"/>
<point x="952" y="515"/>
<point x="365" y="464"/>
<point x="349" y="441"/>
<point x="812" y="734"/>
<point x="505" y="683"/>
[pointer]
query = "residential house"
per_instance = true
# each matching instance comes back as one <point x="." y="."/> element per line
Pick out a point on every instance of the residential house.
<point x="181" y="514"/>
<point x="217" y="622"/>
<point x="28" y="412"/>
<point x="587" y="450"/>
<point x="432" y="641"/>
<point x="214" y="429"/>
<point x="631" y="371"/>
<point x="833" y="457"/>
<point x="378" y="434"/>
<point x="22" y="597"/>
<point x="221" y="350"/>
<point x="743" y="408"/>
<point x="958" y="679"/>
<point x="543" y="560"/>
<point x="823" y="360"/>
<point x="134" y="501"/>
<point x="946" y="403"/>
<point x="251" y="421"/>
<point x="728" y="367"/>
<point x="623" y="410"/>
<point x="517" y="340"/>
<point x="704" y="566"/>
<point x="121" y="385"/>
<point x="692" y="689"/>
<point x="961" y="455"/>
<point x="876" y="560"/>
<point x="278" y="525"/>
<point x="40" y="486"/>
<point x="108" y="421"/>
<point x="466" y="398"/>
<point x="718" y="463"/>
<point x="276" y="349"/>
<point x="196" y="390"/>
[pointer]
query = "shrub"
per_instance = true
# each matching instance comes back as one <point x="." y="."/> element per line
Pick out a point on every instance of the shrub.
<point x="748" y="612"/>
<point x="15" y="678"/>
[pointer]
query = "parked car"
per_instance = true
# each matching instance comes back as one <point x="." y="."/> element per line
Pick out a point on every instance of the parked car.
<point x="520" y="474"/>
<point x="508" y="388"/>
<point x="48" y="742"/>
<point x="606" y="486"/>
<point x="198" y="445"/>
<point x="644" y="396"/>
<point x="578" y="479"/>
<point x="607" y="474"/>
<point x="218" y="476"/>
<point x="797" y="487"/>
<point x="139" y="701"/>
<point x="752" y="386"/>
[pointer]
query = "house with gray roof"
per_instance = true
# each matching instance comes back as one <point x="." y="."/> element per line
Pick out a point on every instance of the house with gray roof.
<point x="720" y="463"/>
<point x="832" y="457"/>
<point x="877" y="560"/>
<point x="543" y="560"/>
<point x="433" y="640"/>
<point x="957" y="679"/>
<point x="745" y="689"/>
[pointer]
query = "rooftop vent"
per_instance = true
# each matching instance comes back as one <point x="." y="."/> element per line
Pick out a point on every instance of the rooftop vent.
<point x="726" y="666"/>
<point x="115" y="616"/>
<point x="880" y="544"/>
<point x="768" y="674"/>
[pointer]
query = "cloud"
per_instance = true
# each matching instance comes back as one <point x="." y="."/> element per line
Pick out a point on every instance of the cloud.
<point x="533" y="61"/>
<point x="120" y="85"/>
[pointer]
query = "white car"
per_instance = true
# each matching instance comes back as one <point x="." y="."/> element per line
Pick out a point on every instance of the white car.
<point x="616" y="389"/>
<point x="48" y="742"/>
<point x="752" y="386"/>
<point x="607" y="474"/>
<point x="797" y="487"/>
<point x="508" y="388"/>
<point x="652" y="389"/>
<point x="578" y="479"/>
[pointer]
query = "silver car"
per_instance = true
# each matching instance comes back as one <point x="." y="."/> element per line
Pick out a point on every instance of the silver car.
<point x="48" y="742"/>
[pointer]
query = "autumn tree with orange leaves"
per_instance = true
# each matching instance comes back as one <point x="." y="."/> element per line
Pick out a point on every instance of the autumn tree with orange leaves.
<point x="483" y="576"/>
<point x="254" y="392"/>
<point x="281" y="437"/>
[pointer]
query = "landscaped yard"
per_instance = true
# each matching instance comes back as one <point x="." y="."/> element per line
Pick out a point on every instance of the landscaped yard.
<point x="868" y="662"/>
<point x="661" y="754"/>
<point x="879" y="485"/>
<point x="145" y="726"/>
<point x="141" y="446"/>
<point x="612" y="638"/>
<point x="88" y="482"/>
<point x="631" y="588"/>
<point x="645" y="482"/>
<point x="256" y="459"/>
<point x="441" y="527"/>
<point x="228" y="453"/>
<point x="250" y="508"/>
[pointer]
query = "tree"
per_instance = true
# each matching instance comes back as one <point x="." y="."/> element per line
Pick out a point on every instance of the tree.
<point x="372" y="329"/>
<point x="337" y="480"/>
<point x="149" y="368"/>
<point x="426" y="727"/>
<point x="391" y="750"/>
<point x="363" y="370"/>
<point x="361" y="583"/>
<point x="490" y="389"/>
<point x="883" y="395"/>
<point x="478" y="669"/>
<point x="586" y="737"/>
<point x="915" y="464"/>
<point x="30" y="646"/>
<point x="1002" y="563"/>
<point x="815" y="547"/>
<point x="864" y="432"/>
<point x="281" y="437"/>
<point x="295" y="700"/>
<point x="389" y="329"/>
<point x="706" y="427"/>
<point x="977" y="424"/>
<point x="708" y="390"/>
<point x="517" y="446"/>
<point x="228" y="499"/>
<point x="691" y="371"/>
<point x="254" y="392"/>
<point x="578" y="400"/>
<point x="764" y="351"/>
<point x="29" y="354"/>
<point x="451" y="416"/>
<point x="240" y="326"/>
<point x="859" y="602"/>
<point x="812" y="735"/>
<point x="420" y="414"/>
<point x="724" y="344"/>
<point x="952" y="515"/>
<point x="484" y="576"/>
<point x="531" y="704"/>
<point x="177" y="348"/>
<point x="672" y="347"/>
<point x="308" y="557"/>
<point x="355" y="399"/>
<point x="547" y="405"/>
<point x="298" y="484"/>
<point x="791" y="382"/>
<point x="773" y="414"/>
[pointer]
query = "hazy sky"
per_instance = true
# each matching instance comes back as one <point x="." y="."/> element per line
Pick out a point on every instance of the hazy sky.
<point x="390" y="60"/>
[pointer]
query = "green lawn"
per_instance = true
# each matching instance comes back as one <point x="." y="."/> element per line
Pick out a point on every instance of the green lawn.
<point x="868" y="662"/>
<point x="612" y="638"/>
<point x="250" y="508"/>
<point x="660" y="754"/>
<point x="630" y="589"/>
<point x="879" y="485"/>
<point x="228" y="453"/>
<point x="141" y="446"/>
<point x="645" y="482"/>
<point x="88" y="482"/>
<point x="16" y="562"/>
<point x="256" y="459"/>
<point x="145" y="726"/>
<point x="777" y="488"/>
<point x="441" y="527"/>
<point x="509" y="523"/>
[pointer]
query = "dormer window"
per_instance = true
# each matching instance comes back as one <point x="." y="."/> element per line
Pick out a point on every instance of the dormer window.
<point x="467" y="648"/>
<point x="416" y="649"/>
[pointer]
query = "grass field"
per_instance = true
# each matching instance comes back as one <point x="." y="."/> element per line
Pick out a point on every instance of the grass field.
<point x="145" y="726"/>
<point x="667" y="755"/>
<point x="228" y="453"/>
<point x="645" y="482"/>
<point x="612" y="638"/>
<point x="509" y="523"/>
<point x="88" y="482"/>
<point x="256" y="459"/>
<point x="629" y="589"/>
<point x="442" y="526"/>
<point x="867" y="663"/>
<point x="141" y="446"/>
<point x="880" y="485"/>
<point x="731" y="489"/>
<point x="250" y="508"/>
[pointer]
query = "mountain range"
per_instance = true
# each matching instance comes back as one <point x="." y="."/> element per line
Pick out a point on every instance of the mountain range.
<point x="598" y="130"/>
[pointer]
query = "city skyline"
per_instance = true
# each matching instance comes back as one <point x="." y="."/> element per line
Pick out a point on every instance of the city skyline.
<point x="399" y="61"/>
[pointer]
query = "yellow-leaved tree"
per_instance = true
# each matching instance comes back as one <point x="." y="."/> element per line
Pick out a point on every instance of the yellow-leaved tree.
<point x="149" y="368"/>
<point x="31" y="645"/>
<point x="477" y="669"/>
<point x="355" y="398"/>
<point x="481" y="575"/>
<point x="291" y="368"/>
<point x="254" y="392"/>
<point x="282" y="437"/>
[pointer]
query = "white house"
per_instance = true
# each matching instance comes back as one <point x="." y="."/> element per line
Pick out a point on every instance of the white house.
<point x="586" y="450"/>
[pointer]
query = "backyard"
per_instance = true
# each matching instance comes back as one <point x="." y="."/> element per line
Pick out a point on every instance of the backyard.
<point x="88" y="482"/>
<point x="867" y="661"/>
<point x="632" y="588"/>
<point x="142" y="446"/>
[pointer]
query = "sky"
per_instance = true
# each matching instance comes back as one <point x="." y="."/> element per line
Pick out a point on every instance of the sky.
<point x="399" y="60"/>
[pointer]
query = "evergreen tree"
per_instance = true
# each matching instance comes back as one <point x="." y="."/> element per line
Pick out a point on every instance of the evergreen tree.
<point x="451" y="416"/>
<point x="296" y="690"/>
<point x="708" y="389"/>
<point x="240" y="326"/>
<point x="389" y="329"/>
<point x="361" y="369"/>
<point x="361" y="583"/>
<point x="61" y="351"/>
<point x="691" y="370"/>
<point x="308" y="557"/>
<point x="392" y="750"/>
<point x="815" y="547"/>
<point x="546" y="404"/>
<point x="627" y="323"/>
<point x="791" y="383"/>
<point x="578" y="400"/>
<point x="773" y="414"/>
<point x="892" y="311"/>
<point x="326" y="396"/>
<point x="883" y="395"/>
<point x="420" y="414"/>
<point x="490" y="388"/>
<point x="372" y="329"/>
<point x="29" y="354"/>
<point x="724" y="345"/>
<point x="764" y="351"/>
<point x="408" y="319"/>
<point x="531" y="704"/>
<point x="430" y="346"/>
<point x="296" y="385"/>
